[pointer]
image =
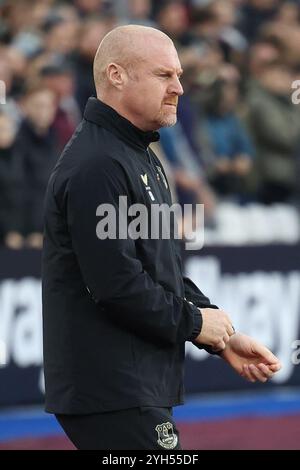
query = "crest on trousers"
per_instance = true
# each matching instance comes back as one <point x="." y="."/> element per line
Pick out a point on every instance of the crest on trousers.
<point x="166" y="436"/>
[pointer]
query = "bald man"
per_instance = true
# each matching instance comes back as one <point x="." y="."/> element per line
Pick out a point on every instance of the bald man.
<point x="116" y="308"/>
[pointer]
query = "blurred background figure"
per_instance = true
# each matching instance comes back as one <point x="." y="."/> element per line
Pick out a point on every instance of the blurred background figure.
<point x="37" y="150"/>
<point x="88" y="8"/>
<point x="231" y="147"/>
<point x="10" y="182"/>
<point x="135" y="12"/>
<point x="172" y="19"/>
<point x="58" y="77"/>
<point x="274" y="122"/>
<point x="91" y="33"/>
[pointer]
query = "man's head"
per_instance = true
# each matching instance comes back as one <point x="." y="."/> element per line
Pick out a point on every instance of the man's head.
<point x="57" y="76"/>
<point x="39" y="105"/>
<point x="136" y="71"/>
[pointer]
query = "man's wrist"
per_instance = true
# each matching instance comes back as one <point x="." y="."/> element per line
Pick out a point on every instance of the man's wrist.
<point x="197" y="316"/>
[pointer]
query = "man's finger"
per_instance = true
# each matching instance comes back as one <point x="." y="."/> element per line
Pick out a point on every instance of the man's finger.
<point x="264" y="352"/>
<point x="247" y="374"/>
<point x="275" y="367"/>
<point x="230" y="329"/>
<point x="226" y="338"/>
<point x="257" y="373"/>
<point x="265" y="370"/>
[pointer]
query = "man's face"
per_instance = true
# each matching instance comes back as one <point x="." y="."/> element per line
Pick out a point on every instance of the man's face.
<point x="40" y="108"/>
<point x="150" y="94"/>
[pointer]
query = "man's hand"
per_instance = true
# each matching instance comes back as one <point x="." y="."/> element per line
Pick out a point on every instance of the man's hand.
<point x="250" y="359"/>
<point x="216" y="328"/>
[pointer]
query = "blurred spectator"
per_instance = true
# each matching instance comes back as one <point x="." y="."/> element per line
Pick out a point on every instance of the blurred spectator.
<point x="229" y="141"/>
<point x="7" y="75"/>
<point x="205" y="24"/>
<point x="274" y="123"/>
<point x="140" y="11"/>
<point x="10" y="186"/>
<point x="190" y="183"/>
<point x="87" y="8"/>
<point x="68" y="12"/>
<point x="28" y="39"/>
<point x="91" y="33"/>
<point x="289" y="13"/>
<point x="254" y="14"/>
<point x="60" y="34"/>
<point x="263" y="53"/>
<point x="216" y="22"/>
<point x="229" y="35"/>
<point x="172" y="18"/>
<point x="17" y="17"/>
<point x="137" y="12"/>
<point x="288" y="37"/>
<point x="37" y="150"/>
<point x="58" y="77"/>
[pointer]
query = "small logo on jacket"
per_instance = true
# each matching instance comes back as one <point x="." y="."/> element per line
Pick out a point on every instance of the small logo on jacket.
<point x="166" y="436"/>
<point x="145" y="179"/>
<point x="162" y="176"/>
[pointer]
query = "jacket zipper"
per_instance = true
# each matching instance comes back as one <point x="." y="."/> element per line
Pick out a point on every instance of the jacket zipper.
<point x="157" y="177"/>
<point x="152" y="164"/>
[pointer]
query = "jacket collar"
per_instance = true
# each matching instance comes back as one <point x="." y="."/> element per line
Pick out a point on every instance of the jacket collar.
<point x="103" y="115"/>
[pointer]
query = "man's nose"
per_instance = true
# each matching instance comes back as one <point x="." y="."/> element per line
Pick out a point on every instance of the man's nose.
<point x="176" y="87"/>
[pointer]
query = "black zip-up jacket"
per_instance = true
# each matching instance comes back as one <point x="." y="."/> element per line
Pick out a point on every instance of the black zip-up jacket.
<point x="116" y="312"/>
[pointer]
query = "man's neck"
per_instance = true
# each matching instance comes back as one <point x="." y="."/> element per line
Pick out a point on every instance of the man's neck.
<point x="121" y="109"/>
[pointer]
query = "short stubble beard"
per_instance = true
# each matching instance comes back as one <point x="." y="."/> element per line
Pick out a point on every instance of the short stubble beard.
<point x="167" y="121"/>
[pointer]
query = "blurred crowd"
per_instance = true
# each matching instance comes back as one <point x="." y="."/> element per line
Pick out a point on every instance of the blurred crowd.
<point x="238" y="133"/>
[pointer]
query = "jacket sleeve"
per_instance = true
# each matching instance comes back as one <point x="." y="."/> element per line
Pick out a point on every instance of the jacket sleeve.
<point x="111" y="268"/>
<point x="194" y="295"/>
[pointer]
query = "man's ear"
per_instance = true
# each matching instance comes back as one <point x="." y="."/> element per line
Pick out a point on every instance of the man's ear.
<point x="116" y="75"/>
